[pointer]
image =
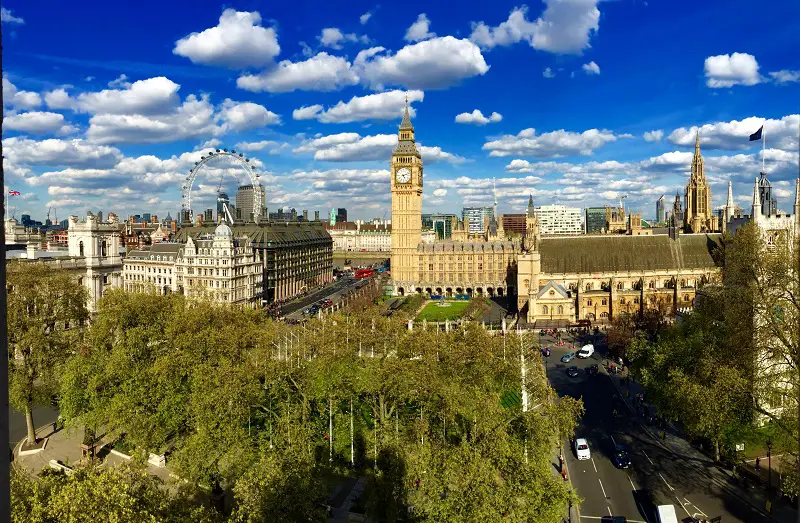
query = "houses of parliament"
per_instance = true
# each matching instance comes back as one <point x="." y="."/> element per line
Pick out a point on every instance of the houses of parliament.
<point x="555" y="281"/>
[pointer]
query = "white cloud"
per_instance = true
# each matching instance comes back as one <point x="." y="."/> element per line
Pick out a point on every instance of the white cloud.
<point x="565" y="27"/>
<point x="419" y="30"/>
<point x="120" y="81"/>
<point x="306" y="49"/>
<point x="653" y="136"/>
<point x="273" y="146"/>
<point x="548" y="73"/>
<point x="352" y="147"/>
<point x="75" y="153"/>
<point x="209" y="144"/>
<point x="238" y="41"/>
<point x="728" y="70"/>
<point x="440" y="193"/>
<point x="431" y="64"/>
<point x="333" y="37"/>
<point x="388" y="105"/>
<point x="591" y="68"/>
<point x="781" y="134"/>
<point x="364" y="18"/>
<point x="322" y="72"/>
<point x="785" y="76"/>
<point x="476" y="117"/>
<point x="243" y="116"/>
<point x="151" y="96"/>
<point x="554" y="144"/>
<point x="13" y="97"/>
<point x="193" y="119"/>
<point x="7" y="17"/>
<point x="38" y="123"/>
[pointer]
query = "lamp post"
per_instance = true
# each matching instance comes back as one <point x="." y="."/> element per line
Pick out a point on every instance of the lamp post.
<point x="769" y="467"/>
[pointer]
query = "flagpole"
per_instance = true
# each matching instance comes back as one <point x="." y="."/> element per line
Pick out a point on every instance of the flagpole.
<point x="763" y="149"/>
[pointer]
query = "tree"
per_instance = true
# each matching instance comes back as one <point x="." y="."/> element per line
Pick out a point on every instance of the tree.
<point x="125" y="493"/>
<point x="46" y="314"/>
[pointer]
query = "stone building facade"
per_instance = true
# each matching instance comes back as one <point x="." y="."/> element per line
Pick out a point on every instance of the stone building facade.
<point x="699" y="214"/>
<point x="95" y="246"/>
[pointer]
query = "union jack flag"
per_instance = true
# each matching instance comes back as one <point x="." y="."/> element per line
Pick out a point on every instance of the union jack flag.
<point x="13" y="193"/>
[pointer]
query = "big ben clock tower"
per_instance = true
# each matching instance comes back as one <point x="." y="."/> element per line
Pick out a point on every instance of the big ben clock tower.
<point x="406" y="170"/>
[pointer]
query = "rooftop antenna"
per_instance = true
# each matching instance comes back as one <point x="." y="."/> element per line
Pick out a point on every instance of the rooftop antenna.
<point x="621" y="203"/>
<point x="494" y="189"/>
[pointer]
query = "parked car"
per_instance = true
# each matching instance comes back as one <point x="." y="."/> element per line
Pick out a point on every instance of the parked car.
<point x="568" y="357"/>
<point x="586" y="351"/>
<point x="613" y="519"/>
<point x="572" y="372"/>
<point x="622" y="458"/>
<point x="582" y="449"/>
<point x="591" y="370"/>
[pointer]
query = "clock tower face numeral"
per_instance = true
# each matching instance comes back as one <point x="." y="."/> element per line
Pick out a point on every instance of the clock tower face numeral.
<point x="403" y="175"/>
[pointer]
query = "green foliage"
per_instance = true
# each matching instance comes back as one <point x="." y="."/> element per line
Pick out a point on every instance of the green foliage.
<point x="435" y="312"/>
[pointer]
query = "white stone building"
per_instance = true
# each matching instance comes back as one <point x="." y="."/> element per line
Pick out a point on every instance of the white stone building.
<point x="559" y="220"/>
<point x="94" y="249"/>
<point x="359" y="236"/>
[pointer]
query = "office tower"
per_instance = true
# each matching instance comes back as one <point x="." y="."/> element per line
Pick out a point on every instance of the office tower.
<point x="209" y="216"/>
<point x="559" y="220"/>
<point x="341" y="215"/>
<point x="244" y="202"/>
<point x="222" y="200"/>
<point x="477" y="218"/>
<point x="595" y="220"/>
<point x="660" y="210"/>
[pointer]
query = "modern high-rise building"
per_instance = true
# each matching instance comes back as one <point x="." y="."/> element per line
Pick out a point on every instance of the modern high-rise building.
<point x="595" y="220"/>
<point x="477" y="218"/>
<point x="208" y="216"/>
<point x="341" y="215"/>
<point x="442" y="224"/>
<point x="514" y="223"/>
<point x="559" y="220"/>
<point x="146" y="217"/>
<point x="223" y="199"/>
<point x="244" y="202"/>
<point x="660" y="218"/>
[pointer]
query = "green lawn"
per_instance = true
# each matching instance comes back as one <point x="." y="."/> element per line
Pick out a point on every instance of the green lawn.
<point x="434" y="312"/>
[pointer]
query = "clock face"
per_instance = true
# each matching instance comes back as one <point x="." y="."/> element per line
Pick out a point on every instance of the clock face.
<point x="403" y="175"/>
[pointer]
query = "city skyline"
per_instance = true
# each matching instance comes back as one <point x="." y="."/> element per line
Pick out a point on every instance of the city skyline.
<point x="315" y="104"/>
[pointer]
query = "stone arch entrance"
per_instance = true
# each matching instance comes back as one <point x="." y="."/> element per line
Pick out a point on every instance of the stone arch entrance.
<point x="490" y="291"/>
<point x="428" y="291"/>
<point x="499" y="291"/>
<point x="439" y="291"/>
<point x="419" y="290"/>
<point x="479" y="291"/>
<point x="401" y="291"/>
<point x="590" y="316"/>
<point x="449" y="292"/>
<point x="469" y="292"/>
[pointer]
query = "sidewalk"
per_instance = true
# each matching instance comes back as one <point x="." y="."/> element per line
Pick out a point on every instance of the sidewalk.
<point x="64" y="445"/>
<point x="674" y="441"/>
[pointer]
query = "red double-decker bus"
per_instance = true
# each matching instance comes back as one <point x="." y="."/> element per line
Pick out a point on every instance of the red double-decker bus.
<point x="364" y="273"/>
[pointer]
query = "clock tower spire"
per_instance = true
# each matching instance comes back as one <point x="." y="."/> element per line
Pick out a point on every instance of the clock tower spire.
<point x="406" y="187"/>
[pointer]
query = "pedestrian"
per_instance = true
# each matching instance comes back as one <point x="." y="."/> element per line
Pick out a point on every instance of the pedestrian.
<point x="663" y="436"/>
<point x="758" y="463"/>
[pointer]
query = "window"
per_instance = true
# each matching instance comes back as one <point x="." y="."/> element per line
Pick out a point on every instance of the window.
<point x="604" y="302"/>
<point x="620" y="286"/>
<point x="652" y="285"/>
<point x="561" y="309"/>
<point x="603" y="315"/>
<point x="544" y="309"/>
<point x="588" y="286"/>
<point x="80" y="246"/>
<point x="430" y="266"/>
<point x="622" y="301"/>
<point x="589" y="302"/>
<point x="686" y="297"/>
<point x="636" y="301"/>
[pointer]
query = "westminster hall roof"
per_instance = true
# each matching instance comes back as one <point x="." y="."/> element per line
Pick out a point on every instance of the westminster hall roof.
<point x="592" y="254"/>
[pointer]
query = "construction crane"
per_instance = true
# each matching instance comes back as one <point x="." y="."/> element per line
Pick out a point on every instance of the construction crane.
<point x="621" y="203"/>
<point x="48" y="213"/>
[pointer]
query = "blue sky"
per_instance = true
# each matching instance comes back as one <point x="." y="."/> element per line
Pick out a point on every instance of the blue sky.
<point x="577" y="102"/>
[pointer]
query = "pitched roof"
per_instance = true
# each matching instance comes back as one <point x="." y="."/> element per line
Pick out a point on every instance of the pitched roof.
<point x="556" y="287"/>
<point x="275" y="234"/>
<point x="589" y="254"/>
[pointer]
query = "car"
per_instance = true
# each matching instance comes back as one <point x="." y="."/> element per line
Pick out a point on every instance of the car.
<point x="613" y="519"/>
<point x="582" y="449"/>
<point x="586" y="351"/>
<point x="591" y="370"/>
<point x="572" y="372"/>
<point x="622" y="458"/>
<point x="566" y="358"/>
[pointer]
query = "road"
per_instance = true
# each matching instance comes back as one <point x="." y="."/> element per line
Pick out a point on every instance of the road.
<point x="17" y="429"/>
<point x="334" y="291"/>
<point x="656" y="476"/>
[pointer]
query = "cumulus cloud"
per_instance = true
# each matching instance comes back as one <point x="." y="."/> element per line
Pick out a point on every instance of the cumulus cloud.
<point x="238" y="41"/>
<point x="6" y="16"/>
<point x="322" y="72"/>
<point x="13" y="97"/>
<point x="785" y="76"/>
<point x="734" y="69"/>
<point x="548" y="73"/>
<point x="781" y="134"/>
<point x="419" y="30"/>
<point x="243" y="116"/>
<point x="272" y="146"/>
<point x="352" y="147"/>
<point x="565" y="27"/>
<point x="440" y="193"/>
<point x="431" y="64"/>
<point x="591" y="68"/>
<point x="653" y="136"/>
<point x="120" y="81"/>
<point x="554" y="144"/>
<point x="364" y="18"/>
<point x="55" y="152"/>
<point x="151" y="96"/>
<point x="476" y="117"/>
<point x="388" y="105"/>
<point x="38" y="123"/>
<point x="333" y="37"/>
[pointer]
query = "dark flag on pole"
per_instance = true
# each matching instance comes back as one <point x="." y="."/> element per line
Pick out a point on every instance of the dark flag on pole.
<point x="756" y="135"/>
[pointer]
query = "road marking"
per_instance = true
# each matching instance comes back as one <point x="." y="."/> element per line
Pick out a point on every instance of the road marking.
<point x="609" y="511"/>
<point x="684" y="507"/>
<point x="665" y="482"/>
<point x="595" y="466"/>
<point x="695" y="506"/>
<point x="601" y="488"/>
<point x="601" y="517"/>
<point x="613" y="441"/>
<point x="648" y="457"/>
<point x="632" y="485"/>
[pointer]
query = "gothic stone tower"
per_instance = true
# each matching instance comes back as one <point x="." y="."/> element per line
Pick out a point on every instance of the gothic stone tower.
<point x="406" y="186"/>
<point x="698" y="195"/>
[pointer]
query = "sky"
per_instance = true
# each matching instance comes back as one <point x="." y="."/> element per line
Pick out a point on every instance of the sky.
<point x="108" y="105"/>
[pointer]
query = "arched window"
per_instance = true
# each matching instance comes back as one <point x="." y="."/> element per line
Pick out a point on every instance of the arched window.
<point x="652" y="285"/>
<point x="683" y="283"/>
<point x="686" y="297"/>
<point x="588" y="286"/>
<point x="103" y="249"/>
<point x="622" y="301"/>
<point x="561" y="309"/>
<point x="603" y="315"/>
<point x="620" y="286"/>
<point x="589" y="302"/>
<point x="81" y="249"/>
<point x="544" y="309"/>
<point x="604" y="301"/>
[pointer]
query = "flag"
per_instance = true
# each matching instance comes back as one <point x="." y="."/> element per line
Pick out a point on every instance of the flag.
<point x="13" y="193"/>
<point x="757" y="135"/>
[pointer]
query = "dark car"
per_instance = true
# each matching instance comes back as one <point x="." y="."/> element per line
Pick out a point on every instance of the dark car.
<point x="622" y="458"/>
<point x="613" y="519"/>
<point x="591" y="370"/>
<point x="572" y="372"/>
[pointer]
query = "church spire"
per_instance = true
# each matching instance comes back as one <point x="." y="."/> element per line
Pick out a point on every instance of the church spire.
<point x="730" y="195"/>
<point x="697" y="142"/>
<point x="406" y="123"/>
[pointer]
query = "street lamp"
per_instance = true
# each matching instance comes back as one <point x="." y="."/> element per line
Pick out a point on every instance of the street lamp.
<point x="769" y="466"/>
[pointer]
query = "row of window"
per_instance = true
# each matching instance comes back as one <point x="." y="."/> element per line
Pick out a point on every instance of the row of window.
<point x="667" y="284"/>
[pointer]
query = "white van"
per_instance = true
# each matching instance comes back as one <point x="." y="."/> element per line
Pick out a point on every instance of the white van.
<point x="586" y="351"/>
<point x="666" y="514"/>
<point x="582" y="449"/>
